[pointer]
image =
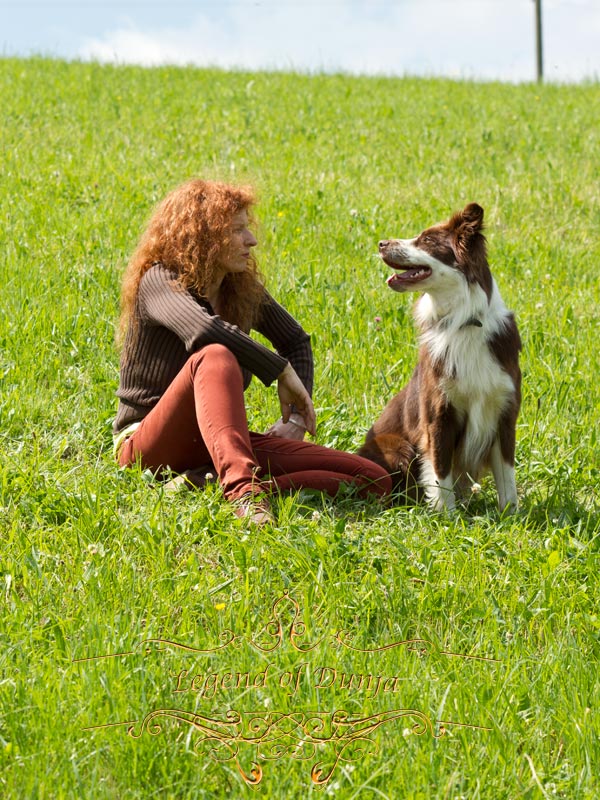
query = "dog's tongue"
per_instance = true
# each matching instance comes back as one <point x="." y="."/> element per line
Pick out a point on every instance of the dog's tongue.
<point x="394" y="281"/>
<point x="399" y="281"/>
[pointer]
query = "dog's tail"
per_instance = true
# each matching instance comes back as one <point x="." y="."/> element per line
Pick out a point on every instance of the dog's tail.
<point x="400" y="459"/>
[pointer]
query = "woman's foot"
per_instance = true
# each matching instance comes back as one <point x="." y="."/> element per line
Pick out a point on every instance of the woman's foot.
<point x="254" y="509"/>
<point x="192" y="479"/>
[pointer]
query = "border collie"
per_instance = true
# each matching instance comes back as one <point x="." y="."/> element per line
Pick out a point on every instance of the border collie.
<point x="457" y="415"/>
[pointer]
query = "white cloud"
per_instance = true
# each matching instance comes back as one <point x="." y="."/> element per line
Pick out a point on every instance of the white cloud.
<point x="460" y="38"/>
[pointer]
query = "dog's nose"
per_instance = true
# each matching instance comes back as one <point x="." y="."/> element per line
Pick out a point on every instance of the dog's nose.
<point x="383" y="243"/>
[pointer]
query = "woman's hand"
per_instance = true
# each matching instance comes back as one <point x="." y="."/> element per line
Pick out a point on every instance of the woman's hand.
<point x="292" y="391"/>
<point x="294" y="428"/>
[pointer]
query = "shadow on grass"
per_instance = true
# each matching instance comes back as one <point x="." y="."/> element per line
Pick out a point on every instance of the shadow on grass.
<point x="554" y="513"/>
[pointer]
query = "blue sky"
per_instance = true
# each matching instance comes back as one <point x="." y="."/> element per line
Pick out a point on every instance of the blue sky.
<point x="487" y="39"/>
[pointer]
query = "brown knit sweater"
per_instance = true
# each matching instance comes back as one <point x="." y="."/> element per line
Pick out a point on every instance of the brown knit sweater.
<point x="172" y="324"/>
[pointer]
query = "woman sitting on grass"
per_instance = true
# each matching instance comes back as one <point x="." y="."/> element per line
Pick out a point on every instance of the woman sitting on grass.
<point x="191" y="294"/>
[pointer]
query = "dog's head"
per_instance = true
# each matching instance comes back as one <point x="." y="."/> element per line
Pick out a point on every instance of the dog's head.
<point x="440" y="255"/>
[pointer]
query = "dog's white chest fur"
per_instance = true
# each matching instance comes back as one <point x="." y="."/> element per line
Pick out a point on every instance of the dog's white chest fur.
<point x="474" y="382"/>
<point x="479" y="392"/>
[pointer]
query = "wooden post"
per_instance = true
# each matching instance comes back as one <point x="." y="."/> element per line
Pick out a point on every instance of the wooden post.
<point x="538" y="40"/>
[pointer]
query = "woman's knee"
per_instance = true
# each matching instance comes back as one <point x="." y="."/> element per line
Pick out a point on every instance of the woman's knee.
<point x="383" y="482"/>
<point x="377" y="479"/>
<point x="214" y="355"/>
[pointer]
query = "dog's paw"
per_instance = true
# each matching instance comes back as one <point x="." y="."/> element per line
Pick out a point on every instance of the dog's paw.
<point x="439" y="492"/>
<point x="442" y="500"/>
<point x="508" y="507"/>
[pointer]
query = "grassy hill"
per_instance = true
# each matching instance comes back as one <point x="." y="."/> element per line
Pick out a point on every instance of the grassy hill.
<point x="95" y="562"/>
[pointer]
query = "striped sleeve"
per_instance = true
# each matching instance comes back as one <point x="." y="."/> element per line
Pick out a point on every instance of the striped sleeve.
<point x="163" y="303"/>
<point x="289" y="339"/>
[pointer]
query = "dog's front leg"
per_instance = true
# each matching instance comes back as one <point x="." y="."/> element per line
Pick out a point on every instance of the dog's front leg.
<point x="439" y="491"/>
<point x="436" y="463"/>
<point x="504" y="476"/>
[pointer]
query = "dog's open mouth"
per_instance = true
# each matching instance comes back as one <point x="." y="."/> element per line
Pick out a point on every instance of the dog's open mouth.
<point x="410" y="275"/>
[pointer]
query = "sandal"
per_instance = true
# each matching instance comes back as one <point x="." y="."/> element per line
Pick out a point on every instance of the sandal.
<point x="192" y="479"/>
<point x="253" y="508"/>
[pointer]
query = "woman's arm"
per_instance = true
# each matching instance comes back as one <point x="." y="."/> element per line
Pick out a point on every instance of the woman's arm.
<point x="293" y="394"/>
<point x="162" y="302"/>
<point x="292" y="342"/>
<point x="289" y="339"/>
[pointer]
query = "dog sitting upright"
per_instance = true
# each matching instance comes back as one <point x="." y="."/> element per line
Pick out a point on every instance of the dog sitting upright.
<point x="457" y="415"/>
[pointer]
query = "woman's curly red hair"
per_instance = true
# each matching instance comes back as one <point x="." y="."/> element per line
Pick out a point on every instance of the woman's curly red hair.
<point x="187" y="233"/>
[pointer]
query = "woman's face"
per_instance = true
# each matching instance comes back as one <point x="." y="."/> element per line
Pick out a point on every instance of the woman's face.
<point x="236" y="254"/>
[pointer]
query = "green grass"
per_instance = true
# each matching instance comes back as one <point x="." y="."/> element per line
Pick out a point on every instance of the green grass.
<point x="94" y="561"/>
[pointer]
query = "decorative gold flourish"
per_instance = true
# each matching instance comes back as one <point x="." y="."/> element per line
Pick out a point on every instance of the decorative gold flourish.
<point x="422" y="647"/>
<point x="228" y="637"/>
<point x="224" y="735"/>
<point x="274" y="628"/>
<point x="297" y="735"/>
<point x="276" y="631"/>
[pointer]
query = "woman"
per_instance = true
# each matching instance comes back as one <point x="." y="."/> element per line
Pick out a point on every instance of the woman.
<point x="191" y="294"/>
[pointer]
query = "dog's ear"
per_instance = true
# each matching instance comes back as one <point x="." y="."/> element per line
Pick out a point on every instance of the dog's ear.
<point x="469" y="245"/>
<point x="467" y="223"/>
<point x="472" y="219"/>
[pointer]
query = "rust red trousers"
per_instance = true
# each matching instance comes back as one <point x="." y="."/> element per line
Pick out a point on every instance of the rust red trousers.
<point x="201" y="419"/>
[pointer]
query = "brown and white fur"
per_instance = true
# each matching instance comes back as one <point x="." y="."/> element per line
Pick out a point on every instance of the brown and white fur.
<point x="457" y="415"/>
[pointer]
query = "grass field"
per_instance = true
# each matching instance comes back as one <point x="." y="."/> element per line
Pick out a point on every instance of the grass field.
<point x="95" y="562"/>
